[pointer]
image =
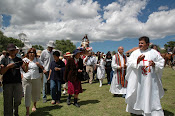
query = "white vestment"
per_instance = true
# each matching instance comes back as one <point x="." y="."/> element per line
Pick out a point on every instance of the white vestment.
<point x="144" y="89"/>
<point x="115" y="87"/>
<point x="101" y="69"/>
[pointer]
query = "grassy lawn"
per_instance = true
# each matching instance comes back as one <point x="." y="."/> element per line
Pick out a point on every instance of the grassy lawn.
<point x="96" y="101"/>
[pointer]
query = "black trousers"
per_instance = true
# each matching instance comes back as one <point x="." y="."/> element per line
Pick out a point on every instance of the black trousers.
<point x="108" y="71"/>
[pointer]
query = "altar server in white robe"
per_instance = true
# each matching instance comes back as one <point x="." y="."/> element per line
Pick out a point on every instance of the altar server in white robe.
<point x="101" y="70"/>
<point x="119" y="83"/>
<point x="144" y="89"/>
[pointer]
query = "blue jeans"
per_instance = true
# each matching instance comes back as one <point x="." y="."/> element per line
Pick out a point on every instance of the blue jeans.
<point x="45" y="77"/>
<point x="111" y="75"/>
<point x="55" y="87"/>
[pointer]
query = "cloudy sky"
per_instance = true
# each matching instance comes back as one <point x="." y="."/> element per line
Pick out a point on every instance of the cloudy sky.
<point x="108" y="23"/>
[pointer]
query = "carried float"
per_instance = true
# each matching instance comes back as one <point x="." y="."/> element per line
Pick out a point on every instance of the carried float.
<point x="85" y="44"/>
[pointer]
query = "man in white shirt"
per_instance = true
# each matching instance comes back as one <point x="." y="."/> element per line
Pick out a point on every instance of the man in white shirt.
<point x="144" y="89"/>
<point x="90" y="62"/>
<point x="46" y="58"/>
<point x="119" y="83"/>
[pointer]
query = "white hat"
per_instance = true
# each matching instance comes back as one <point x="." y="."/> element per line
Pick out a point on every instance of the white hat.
<point x="51" y="44"/>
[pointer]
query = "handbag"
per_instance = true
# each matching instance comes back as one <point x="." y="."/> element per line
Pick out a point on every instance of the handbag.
<point x="40" y="70"/>
<point x="84" y="76"/>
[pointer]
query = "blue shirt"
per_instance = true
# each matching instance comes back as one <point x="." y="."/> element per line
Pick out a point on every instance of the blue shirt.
<point x="57" y="75"/>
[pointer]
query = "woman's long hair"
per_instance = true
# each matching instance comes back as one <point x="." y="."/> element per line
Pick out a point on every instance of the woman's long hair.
<point x="108" y="54"/>
<point x="31" y="49"/>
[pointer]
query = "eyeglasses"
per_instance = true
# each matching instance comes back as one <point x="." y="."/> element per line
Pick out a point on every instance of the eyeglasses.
<point x="12" y="50"/>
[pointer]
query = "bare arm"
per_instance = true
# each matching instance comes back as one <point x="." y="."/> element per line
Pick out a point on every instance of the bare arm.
<point x="6" y="68"/>
<point x="49" y="74"/>
<point x="25" y="66"/>
<point x="39" y="65"/>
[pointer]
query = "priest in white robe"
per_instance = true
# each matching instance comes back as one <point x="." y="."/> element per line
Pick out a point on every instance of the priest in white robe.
<point x="144" y="89"/>
<point x="119" y="83"/>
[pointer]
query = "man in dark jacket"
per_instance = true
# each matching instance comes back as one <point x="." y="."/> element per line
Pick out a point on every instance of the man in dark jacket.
<point x="12" y="87"/>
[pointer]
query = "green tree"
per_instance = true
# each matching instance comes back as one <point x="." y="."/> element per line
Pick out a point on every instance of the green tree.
<point x="65" y="46"/>
<point x="170" y="44"/>
<point x="38" y="47"/>
<point x="5" y="40"/>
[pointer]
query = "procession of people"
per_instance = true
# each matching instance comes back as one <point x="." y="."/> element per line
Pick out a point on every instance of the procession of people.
<point x="136" y="78"/>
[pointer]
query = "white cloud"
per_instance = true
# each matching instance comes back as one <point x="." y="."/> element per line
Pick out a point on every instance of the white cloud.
<point x="163" y="8"/>
<point x="160" y="24"/>
<point x="45" y="20"/>
<point x="122" y="21"/>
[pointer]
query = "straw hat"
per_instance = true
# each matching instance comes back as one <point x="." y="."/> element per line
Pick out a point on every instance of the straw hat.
<point x="4" y="51"/>
<point x="68" y="54"/>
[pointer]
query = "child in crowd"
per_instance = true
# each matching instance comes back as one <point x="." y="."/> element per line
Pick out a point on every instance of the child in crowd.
<point x="101" y="69"/>
<point x="56" y="77"/>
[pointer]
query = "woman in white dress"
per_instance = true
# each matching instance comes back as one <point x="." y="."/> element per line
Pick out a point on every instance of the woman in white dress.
<point x="101" y="69"/>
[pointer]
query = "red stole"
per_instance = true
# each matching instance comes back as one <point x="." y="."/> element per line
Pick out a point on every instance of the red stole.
<point x="121" y="77"/>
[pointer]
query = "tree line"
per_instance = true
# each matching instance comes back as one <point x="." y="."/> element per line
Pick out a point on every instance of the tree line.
<point x="4" y="40"/>
<point x="62" y="45"/>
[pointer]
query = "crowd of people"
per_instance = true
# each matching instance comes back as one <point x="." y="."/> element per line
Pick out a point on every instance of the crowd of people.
<point x="137" y="77"/>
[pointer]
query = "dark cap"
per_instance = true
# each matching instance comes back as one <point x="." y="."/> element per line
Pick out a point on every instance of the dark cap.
<point x="11" y="46"/>
<point x="76" y="51"/>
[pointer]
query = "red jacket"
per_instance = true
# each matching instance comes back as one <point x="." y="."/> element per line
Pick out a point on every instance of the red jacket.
<point x="71" y="70"/>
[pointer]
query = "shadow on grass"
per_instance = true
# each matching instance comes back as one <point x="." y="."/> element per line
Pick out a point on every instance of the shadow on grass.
<point x="168" y="113"/>
<point x="44" y="111"/>
<point x="117" y="95"/>
<point x="84" y="90"/>
<point x="96" y="81"/>
<point x="165" y="89"/>
<point x="134" y="115"/>
<point x="64" y="96"/>
<point x="105" y="83"/>
<point x="88" y="102"/>
<point x="84" y="82"/>
<point x="65" y="100"/>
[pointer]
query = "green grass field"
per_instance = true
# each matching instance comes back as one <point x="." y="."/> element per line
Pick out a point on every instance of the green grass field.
<point x="96" y="101"/>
